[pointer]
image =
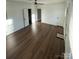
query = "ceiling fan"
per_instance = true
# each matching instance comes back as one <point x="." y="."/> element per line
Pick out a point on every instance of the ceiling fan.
<point x="36" y="3"/>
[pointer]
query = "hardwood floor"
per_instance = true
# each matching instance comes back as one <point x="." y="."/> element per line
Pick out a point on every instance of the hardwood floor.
<point x="37" y="41"/>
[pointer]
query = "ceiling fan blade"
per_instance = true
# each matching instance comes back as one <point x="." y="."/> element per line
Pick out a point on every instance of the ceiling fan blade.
<point x="36" y="0"/>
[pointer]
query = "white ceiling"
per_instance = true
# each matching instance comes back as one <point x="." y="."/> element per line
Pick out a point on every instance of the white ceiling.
<point x="40" y="1"/>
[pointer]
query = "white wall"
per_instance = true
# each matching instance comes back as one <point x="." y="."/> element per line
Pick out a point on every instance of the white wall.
<point x="53" y="14"/>
<point x="68" y="29"/>
<point x="75" y="30"/>
<point x="15" y="15"/>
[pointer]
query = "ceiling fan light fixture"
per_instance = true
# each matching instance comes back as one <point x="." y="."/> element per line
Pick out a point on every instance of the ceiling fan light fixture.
<point x="38" y="3"/>
<point x="35" y="3"/>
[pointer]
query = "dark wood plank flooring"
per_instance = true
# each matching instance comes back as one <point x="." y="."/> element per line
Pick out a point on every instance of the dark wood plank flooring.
<point x="37" y="41"/>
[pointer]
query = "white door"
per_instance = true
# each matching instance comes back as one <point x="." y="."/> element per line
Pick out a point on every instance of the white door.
<point x="25" y="16"/>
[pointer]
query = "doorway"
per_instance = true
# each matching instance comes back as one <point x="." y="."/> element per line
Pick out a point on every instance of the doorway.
<point x="30" y="16"/>
<point x="39" y="15"/>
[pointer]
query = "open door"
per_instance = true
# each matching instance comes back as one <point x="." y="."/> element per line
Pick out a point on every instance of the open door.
<point x="25" y="17"/>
